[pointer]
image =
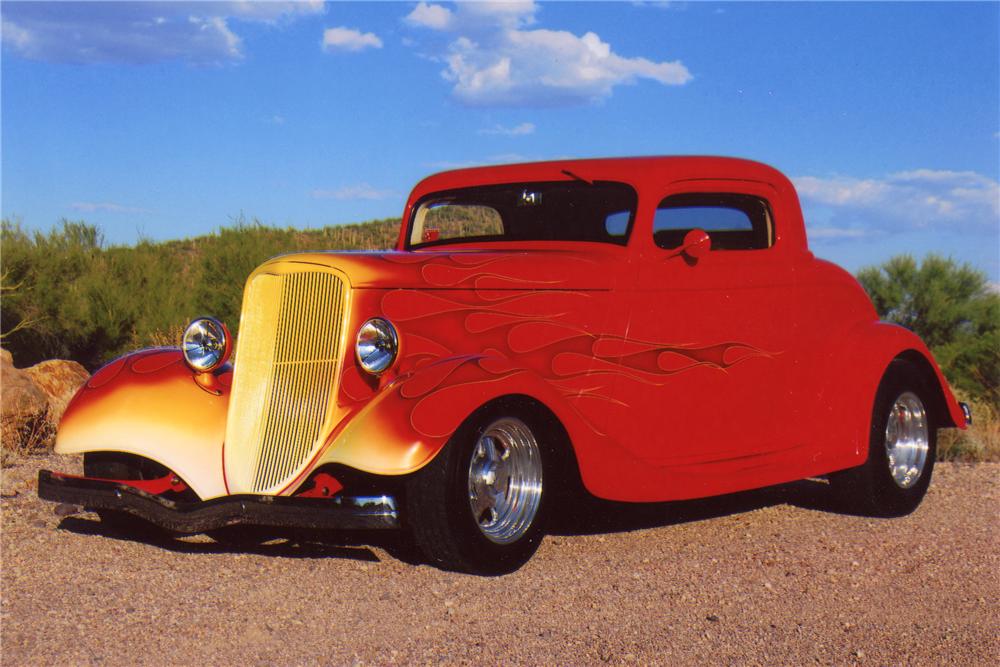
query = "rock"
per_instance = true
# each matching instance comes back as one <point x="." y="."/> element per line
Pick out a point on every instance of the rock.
<point x="23" y="404"/>
<point x="59" y="380"/>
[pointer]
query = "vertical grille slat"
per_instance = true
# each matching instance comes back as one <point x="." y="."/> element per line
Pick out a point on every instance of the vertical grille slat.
<point x="286" y="362"/>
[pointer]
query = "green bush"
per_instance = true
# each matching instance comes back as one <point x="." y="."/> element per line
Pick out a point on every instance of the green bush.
<point x="951" y="308"/>
<point x="68" y="295"/>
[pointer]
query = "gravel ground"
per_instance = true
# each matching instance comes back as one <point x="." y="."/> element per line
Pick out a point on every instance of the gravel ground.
<point x="767" y="577"/>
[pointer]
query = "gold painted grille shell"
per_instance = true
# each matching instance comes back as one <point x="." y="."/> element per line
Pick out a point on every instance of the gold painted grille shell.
<point x="285" y="379"/>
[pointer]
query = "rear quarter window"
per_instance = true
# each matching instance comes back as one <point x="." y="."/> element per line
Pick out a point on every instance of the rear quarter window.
<point x="732" y="221"/>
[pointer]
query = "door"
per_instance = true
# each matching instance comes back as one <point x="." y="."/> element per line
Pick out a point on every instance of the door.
<point x="710" y="349"/>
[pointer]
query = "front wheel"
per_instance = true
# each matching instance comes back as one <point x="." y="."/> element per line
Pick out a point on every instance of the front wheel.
<point x="901" y="449"/>
<point x="480" y="506"/>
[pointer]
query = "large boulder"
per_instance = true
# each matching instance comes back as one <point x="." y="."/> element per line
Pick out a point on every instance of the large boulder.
<point x="23" y="404"/>
<point x="59" y="380"/>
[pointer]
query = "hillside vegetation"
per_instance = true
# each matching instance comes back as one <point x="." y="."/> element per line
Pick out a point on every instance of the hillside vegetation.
<point x="69" y="295"/>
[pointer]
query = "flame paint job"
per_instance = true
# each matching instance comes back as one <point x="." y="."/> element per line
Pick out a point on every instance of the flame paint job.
<point x="673" y="378"/>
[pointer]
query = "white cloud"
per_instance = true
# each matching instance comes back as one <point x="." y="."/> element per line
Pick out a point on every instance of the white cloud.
<point x="516" y="131"/>
<point x="270" y="11"/>
<point x="664" y="4"/>
<point x="547" y="67"/>
<point x="434" y="17"/>
<point x="106" y="207"/>
<point x="349" y="39"/>
<point x="494" y="60"/>
<point x="507" y="15"/>
<point x="137" y="32"/>
<point x="353" y="192"/>
<point x="906" y="200"/>
<point x="474" y="16"/>
<point x="276" y="119"/>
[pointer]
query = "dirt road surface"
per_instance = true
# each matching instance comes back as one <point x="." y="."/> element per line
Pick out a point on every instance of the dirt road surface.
<point x="767" y="577"/>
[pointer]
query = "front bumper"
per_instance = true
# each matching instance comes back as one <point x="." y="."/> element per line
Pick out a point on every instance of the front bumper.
<point x="337" y="513"/>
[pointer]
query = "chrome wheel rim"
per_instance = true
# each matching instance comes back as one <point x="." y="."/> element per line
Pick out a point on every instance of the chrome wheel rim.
<point x="505" y="480"/>
<point x="907" y="439"/>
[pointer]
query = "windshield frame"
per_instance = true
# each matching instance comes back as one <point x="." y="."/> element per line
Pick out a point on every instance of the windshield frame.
<point x="502" y="240"/>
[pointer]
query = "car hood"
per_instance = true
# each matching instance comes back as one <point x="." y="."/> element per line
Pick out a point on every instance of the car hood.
<point x="593" y="267"/>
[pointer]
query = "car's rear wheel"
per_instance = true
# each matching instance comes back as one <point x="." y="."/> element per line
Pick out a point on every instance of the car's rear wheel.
<point x="901" y="449"/>
<point x="481" y="505"/>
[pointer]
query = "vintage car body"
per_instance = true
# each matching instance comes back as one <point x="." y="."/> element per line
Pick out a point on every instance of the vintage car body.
<point x="652" y="366"/>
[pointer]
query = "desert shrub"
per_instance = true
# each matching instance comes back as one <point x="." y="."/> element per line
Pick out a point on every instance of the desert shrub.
<point x="67" y="294"/>
<point x="978" y="442"/>
<point x="952" y="309"/>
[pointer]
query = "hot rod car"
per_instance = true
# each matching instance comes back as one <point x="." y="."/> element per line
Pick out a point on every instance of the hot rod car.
<point x="653" y="328"/>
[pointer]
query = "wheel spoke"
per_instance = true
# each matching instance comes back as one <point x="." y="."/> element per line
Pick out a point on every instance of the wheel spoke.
<point x="481" y="505"/>
<point x="489" y="448"/>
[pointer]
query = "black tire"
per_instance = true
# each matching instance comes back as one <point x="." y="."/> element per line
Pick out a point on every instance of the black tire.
<point x="117" y="465"/>
<point x="872" y="489"/>
<point x="439" y="498"/>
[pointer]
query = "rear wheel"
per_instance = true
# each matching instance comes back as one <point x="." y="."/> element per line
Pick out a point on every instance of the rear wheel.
<point x="901" y="449"/>
<point x="481" y="505"/>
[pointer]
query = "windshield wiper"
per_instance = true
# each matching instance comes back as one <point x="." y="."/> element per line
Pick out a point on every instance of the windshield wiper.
<point x="577" y="177"/>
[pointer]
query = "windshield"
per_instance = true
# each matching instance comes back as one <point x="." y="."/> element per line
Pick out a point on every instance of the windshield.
<point x="551" y="211"/>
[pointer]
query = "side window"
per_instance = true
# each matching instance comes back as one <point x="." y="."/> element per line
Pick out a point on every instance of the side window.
<point x="733" y="221"/>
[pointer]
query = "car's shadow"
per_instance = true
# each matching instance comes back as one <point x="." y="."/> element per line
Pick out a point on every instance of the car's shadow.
<point x="590" y="516"/>
<point x="577" y="515"/>
<point x="278" y="543"/>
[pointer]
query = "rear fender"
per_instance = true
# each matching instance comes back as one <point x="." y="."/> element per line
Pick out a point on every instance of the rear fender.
<point x="151" y="404"/>
<point x="856" y="369"/>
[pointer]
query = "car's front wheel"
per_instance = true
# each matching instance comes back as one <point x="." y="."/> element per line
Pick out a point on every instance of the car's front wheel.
<point x="901" y="449"/>
<point x="481" y="505"/>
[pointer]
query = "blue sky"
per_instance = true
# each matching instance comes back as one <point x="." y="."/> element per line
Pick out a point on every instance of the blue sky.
<point x="166" y="120"/>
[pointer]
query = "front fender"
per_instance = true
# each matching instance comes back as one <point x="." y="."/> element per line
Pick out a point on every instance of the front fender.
<point x="409" y="421"/>
<point x="856" y="366"/>
<point x="151" y="404"/>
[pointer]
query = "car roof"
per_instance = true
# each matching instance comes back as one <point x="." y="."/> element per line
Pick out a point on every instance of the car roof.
<point x="635" y="170"/>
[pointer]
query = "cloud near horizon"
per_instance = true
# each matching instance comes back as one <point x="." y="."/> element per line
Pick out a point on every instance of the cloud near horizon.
<point x="360" y="191"/>
<point x="494" y="59"/>
<point x="138" y="32"/>
<point x="520" y="130"/>
<point x="106" y="207"/>
<point x="904" y="201"/>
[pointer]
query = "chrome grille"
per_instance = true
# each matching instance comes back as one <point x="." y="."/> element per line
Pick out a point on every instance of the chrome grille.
<point x="285" y="378"/>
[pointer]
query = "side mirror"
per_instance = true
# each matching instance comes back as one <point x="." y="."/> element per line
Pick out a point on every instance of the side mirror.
<point x="696" y="243"/>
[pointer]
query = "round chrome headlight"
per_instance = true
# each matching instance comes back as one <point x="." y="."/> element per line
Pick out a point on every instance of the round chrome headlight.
<point x="376" y="346"/>
<point x="206" y="344"/>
